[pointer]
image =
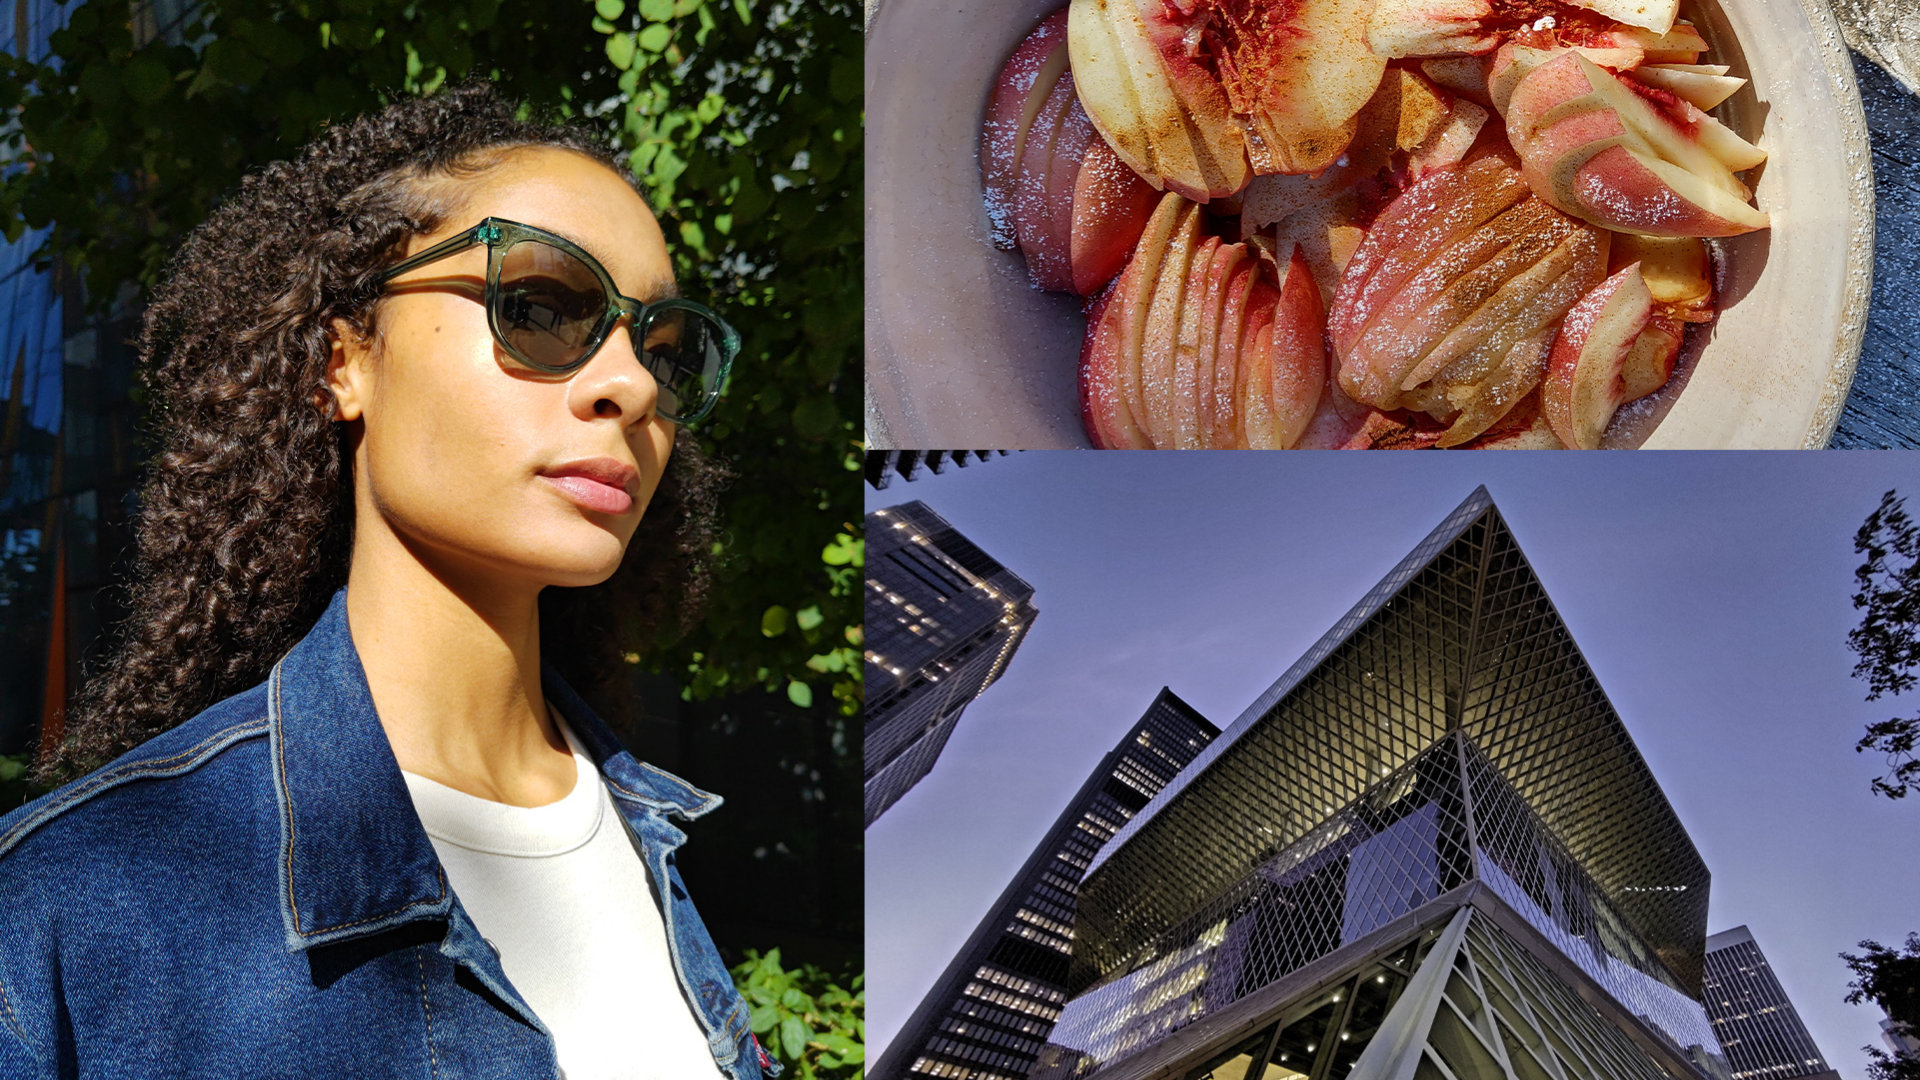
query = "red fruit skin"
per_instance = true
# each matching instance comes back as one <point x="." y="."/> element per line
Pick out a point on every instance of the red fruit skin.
<point x="1001" y="136"/>
<point x="1099" y="385"/>
<point x="1227" y="370"/>
<point x="1299" y="350"/>
<point x="1110" y="208"/>
<point x="1040" y="241"/>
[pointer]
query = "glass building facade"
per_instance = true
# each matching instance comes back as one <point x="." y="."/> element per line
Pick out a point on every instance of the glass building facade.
<point x="69" y="457"/>
<point x="1757" y="1026"/>
<point x="990" y="1012"/>
<point x="943" y="621"/>
<point x="1430" y="842"/>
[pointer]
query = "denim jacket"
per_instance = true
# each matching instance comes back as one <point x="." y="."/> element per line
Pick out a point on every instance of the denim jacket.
<point x="252" y="894"/>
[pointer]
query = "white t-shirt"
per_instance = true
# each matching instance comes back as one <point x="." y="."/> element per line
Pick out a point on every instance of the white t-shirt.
<point x="562" y="893"/>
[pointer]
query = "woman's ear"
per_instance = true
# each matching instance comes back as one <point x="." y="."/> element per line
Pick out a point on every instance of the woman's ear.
<point x="349" y="371"/>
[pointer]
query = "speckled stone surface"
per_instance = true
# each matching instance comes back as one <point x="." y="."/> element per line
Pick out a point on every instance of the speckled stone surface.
<point x="1884" y="408"/>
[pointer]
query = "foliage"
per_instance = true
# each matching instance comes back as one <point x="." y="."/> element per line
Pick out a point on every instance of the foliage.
<point x="742" y="117"/>
<point x="1891" y="979"/>
<point x="15" y="788"/>
<point x="816" y="1029"/>
<point x="1887" y="589"/>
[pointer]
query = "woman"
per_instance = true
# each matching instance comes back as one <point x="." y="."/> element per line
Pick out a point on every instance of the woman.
<point x="406" y="382"/>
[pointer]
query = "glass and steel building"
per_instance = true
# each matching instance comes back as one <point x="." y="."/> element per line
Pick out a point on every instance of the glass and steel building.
<point x="1756" y="1024"/>
<point x="943" y="620"/>
<point x="990" y="1012"/>
<point x="1430" y="851"/>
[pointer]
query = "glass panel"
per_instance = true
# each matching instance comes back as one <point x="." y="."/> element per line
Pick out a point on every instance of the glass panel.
<point x="1234" y="1064"/>
<point x="1302" y="1041"/>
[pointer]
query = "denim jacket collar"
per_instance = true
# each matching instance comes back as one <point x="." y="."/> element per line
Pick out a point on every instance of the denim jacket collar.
<point x="354" y="858"/>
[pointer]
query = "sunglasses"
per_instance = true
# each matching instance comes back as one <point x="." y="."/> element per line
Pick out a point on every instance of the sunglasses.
<point x="551" y="305"/>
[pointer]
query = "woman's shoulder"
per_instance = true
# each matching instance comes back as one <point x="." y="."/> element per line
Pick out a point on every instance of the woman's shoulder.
<point x="181" y="778"/>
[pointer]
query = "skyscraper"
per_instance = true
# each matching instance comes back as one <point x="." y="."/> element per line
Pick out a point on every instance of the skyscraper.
<point x="1429" y="850"/>
<point x="943" y="620"/>
<point x="991" y="1010"/>
<point x="1757" y="1025"/>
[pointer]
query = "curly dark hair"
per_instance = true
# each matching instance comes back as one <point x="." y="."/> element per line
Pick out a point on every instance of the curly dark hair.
<point x="246" y="514"/>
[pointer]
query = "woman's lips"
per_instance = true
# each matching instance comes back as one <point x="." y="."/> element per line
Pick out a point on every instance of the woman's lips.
<point x="592" y="494"/>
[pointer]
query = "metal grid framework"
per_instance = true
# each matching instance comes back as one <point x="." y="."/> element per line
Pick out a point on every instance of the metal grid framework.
<point x="990" y="1012"/>
<point x="1758" y="1027"/>
<point x="1466" y="1002"/>
<point x="1446" y="818"/>
<point x="1459" y="636"/>
<point x="1503" y="1015"/>
<point x="943" y="619"/>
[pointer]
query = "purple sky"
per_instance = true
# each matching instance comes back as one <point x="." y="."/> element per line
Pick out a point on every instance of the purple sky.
<point x="1710" y="593"/>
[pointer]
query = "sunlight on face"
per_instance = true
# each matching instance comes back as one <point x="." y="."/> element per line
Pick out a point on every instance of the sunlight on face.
<point x="477" y="464"/>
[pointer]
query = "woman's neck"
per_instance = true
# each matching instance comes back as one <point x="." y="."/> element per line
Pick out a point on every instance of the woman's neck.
<point x="453" y="663"/>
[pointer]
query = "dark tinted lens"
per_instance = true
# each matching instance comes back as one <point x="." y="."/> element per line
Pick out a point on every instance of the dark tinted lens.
<point x="550" y="304"/>
<point x="682" y="349"/>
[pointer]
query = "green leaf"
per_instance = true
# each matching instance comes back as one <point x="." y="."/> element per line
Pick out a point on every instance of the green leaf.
<point x="816" y="417"/>
<point x="793" y="1034"/>
<point x="620" y="50"/>
<point x="808" y="617"/>
<point x="800" y="693"/>
<point x="773" y="621"/>
<point x="146" y="79"/>
<point x="762" y="1019"/>
<point x="656" y="11"/>
<point x="655" y="37"/>
<point x="610" y="9"/>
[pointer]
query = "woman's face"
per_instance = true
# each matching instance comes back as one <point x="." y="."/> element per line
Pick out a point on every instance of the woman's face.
<point x="474" y="464"/>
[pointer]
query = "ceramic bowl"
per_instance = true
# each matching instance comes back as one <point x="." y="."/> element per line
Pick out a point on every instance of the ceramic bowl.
<point x="962" y="353"/>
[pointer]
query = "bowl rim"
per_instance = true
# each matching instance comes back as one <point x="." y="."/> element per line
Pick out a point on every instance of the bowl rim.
<point x="880" y="430"/>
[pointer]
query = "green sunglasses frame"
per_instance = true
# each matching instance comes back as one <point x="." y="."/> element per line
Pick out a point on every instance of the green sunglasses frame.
<point x="500" y="235"/>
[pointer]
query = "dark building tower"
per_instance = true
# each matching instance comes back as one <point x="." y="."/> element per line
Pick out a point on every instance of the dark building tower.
<point x="991" y="1011"/>
<point x="943" y="620"/>
<point x="1430" y="851"/>
<point x="1757" y="1025"/>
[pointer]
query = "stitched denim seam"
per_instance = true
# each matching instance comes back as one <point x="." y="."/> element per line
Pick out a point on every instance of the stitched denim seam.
<point x="133" y="770"/>
<point x="286" y="798"/>
<point x="708" y="800"/>
<point x="280" y="769"/>
<point x="433" y="1058"/>
<point x="13" y="1020"/>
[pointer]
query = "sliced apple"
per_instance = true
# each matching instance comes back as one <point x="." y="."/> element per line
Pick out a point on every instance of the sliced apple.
<point x="1228" y="371"/>
<point x="1584" y="384"/>
<point x="1654" y="15"/>
<point x="1137" y="284"/>
<point x="1101" y="410"/>
<point x="1187" y="431"/>
<point x="1681" y="44"/>
<point x="1199" y="97"/>
<point x="1677" y="269"/>
<point x="1392" y="431"/>
<point x="1024" y="82"/>
<point x="1649" y="364"/>
<point x="1110" y="208"/>
<point x="1599" y="149"/>
<point x="1449" y="143"/>
<point x="1298" y="368"/>
<point x="1226" y="262"/>
<point x="1158" y="383"/>
<point x="1408" y="235"/>
<point x="1704" y="89"/>
<point x="1043" y="239"/>
<point x="1403" y="28"/>
<point x="1463" y="75"/>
